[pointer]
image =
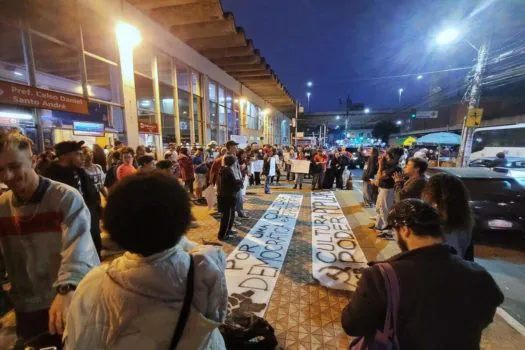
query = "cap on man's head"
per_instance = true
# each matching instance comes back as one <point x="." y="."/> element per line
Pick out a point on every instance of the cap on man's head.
<point x="65" y="147"/>
<point x="231" y="143"/>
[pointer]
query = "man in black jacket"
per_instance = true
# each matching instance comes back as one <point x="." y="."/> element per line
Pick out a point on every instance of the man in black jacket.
<point x="445" y="302"/>
<point x="369" y="172"/>
<point x="67" y="169"/>
<point x="227" y="189"/>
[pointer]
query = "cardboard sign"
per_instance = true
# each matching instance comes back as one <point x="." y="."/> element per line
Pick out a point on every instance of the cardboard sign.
<point x="300" y="166"/>
<point x="22" y="95"/>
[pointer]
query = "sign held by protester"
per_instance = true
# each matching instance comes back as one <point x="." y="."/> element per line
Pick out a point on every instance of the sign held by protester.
<point x="300" y="166"/>
<point x="253" y="267"/>
<point x="337" y="258"/>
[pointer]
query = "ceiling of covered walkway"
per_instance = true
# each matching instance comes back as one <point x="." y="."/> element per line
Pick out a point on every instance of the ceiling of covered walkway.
<point x="204" y="26"/>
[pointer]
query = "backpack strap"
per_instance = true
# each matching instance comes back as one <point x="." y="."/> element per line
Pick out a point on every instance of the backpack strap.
<point x="392" y="294"/>
<point x="186" y="307"/>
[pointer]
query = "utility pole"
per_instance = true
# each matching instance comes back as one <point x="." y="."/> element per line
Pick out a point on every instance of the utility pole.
<point x="296" y="121"/>
<point x="465" y="147"/>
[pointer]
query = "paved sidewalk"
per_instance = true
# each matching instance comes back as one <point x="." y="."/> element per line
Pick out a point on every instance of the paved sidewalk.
<point x="304" y="314"/>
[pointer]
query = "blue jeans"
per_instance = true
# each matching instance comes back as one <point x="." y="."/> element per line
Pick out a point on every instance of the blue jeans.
<point x="267" y="181"/>
<point x="239" y="207"/>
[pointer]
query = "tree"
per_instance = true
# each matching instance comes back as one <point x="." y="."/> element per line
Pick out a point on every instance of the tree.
<point x="383" y="129"/>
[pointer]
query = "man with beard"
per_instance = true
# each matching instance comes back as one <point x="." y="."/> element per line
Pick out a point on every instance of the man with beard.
<point x="67" y="169"/>
<point x="439" y="293"/>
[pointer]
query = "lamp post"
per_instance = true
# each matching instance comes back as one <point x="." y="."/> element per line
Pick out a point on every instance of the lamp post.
<point x="446" y="37"/>
<point x="400" y="93"/>
<point x="308" y="94"/>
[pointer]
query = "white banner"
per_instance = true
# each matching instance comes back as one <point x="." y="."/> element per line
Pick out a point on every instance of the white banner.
<point x="337" y="258"/>
<point x="300" y="166"/>
<point x="253" y="267"/>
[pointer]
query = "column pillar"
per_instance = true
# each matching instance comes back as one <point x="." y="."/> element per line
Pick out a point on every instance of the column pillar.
<point x="192" y="121"/>
<point x="129" y="98"/>
<point x="205" y="110"/>
<point x="156" y="101"/>
<point x="176" y="102"/>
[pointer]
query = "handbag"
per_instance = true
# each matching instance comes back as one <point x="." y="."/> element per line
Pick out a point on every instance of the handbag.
<point x="198" y="336"/>
<point x="385" y="339"/>
<point x="248" y="332"/>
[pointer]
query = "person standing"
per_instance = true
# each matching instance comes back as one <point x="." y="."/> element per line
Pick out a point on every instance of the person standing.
<point x="186" y="170"/>
<point x="111" y="175"/>
<point x="45" y="241"/>
<point x="369" y="172"/>
<point x="299" y="177"/>
<point x="413" y="186"/>
<point x="232" y="148"/>
<point x="201" y="173"/>
<point x="269" y="169"/>
<point x="94" y="171"/>
<point x="227" y="188"/>
<point x="99" y="157"/>
<point x="388" y="165"/>
<point x="337" y="170"/>
<point x="449" y="195"/>
<point x="439" y="293"/>
<point x="321" y="160"/>
<point x="146" y="163"/>
<point x="126" y="168"/>
<point x="67" y="169"/>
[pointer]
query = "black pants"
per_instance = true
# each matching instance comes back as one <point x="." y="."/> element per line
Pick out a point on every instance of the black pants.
<point x="189" y="185"/>
<point x="228" y="216"/>
<point x="257" y="178"/>
<point x="338" y="179"/>
<point x="32" y="328"/>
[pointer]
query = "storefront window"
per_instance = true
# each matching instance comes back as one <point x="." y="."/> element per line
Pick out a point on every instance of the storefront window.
<point x="213" y="121"/>
<point x="260" y="116"/>
<point x="182" y="76"/>
<point x="142" y="58"/>
<point x="103" y="80"/>
<point x="251" y="116"/>
<point x="231" y="123"/>
<point x="99" y="39"/>
<point x="184" y="116"/>
<point x="57" y="66"/>
<point x="12" y="65"/>
<point x="222" y="98"/>
<point x="144" y="94"/>
<point x="196" y="81"/>
<point x="164" y="68"/>
<point x="55" y="18"/>
<point x="167" y="113"/>
<point x="212" y="91"/>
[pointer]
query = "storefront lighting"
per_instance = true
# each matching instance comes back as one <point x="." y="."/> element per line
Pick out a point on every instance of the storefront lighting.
<point x="267" y="111"/>
<point x="242" y="101"/>
<point x="15" y="115"/>
<point x="145" y="103"/>
<point x="236" y="100"/>
<point x="18" y="73"/>
<point x="128" y="35"/>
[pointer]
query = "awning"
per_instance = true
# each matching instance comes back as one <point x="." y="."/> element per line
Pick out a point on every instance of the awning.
<point x="440" y="138"/>
<point x="204" y="26"/>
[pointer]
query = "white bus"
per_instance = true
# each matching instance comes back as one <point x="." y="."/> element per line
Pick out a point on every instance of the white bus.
<point x="489" y="141"/>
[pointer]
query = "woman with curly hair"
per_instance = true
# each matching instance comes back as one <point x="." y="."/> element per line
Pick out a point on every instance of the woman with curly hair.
<point x="449" y="195"/>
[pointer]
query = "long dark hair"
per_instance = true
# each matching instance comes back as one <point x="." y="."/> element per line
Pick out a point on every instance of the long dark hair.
<point x="99" y="157"/>
<point x="449" y="194"/>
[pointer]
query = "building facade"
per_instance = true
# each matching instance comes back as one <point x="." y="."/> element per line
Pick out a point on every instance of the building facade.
<point x="103" y="70"/>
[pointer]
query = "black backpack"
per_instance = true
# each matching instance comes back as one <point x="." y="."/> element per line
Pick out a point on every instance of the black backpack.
<point x="249" y="332"/>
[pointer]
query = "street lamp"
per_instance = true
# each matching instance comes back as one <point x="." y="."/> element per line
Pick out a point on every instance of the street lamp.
<point x="337" y="117"/>
<point x="127" y="35"/>
<point x="309" y="84"/>
<point x="419" y="77"/>
<point x="400" y="92"/>
<point x="399" y="122"/>
<point x="308" y="94"/>
<point x="447" y="36"/>
<point x="367" y="110"/>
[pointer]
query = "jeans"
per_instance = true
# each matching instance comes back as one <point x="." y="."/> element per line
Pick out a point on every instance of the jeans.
<point x="267" y="181"/>
<point x="239" y="205"/>
<point x="317" y="179"/>
<point x="385" y="202"/>
<point x="189" y="185"/>
<point x="299" y="179"/>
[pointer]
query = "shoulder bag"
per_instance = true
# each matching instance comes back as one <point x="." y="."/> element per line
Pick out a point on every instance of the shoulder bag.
<point x="387" y="338"/>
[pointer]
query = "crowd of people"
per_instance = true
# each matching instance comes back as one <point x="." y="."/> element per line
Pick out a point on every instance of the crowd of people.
<point x="50" y="244"/>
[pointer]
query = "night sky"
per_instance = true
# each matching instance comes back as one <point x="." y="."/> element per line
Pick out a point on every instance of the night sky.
<point x="344" y="46"/>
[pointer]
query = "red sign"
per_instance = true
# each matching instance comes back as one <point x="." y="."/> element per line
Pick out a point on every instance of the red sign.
<point x="148" y="128"/>
<point x="22" y="95"/>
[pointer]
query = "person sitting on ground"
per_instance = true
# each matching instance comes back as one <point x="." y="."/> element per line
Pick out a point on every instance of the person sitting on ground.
<point x="126" y="168"/>
<point x="445" y="302"/>
<point x="448" y="194"/>
<point x="227" y="188"/>
<point x="135" y="301"/>
<point x="146" y="163"/>
<point x="413" y="186"/>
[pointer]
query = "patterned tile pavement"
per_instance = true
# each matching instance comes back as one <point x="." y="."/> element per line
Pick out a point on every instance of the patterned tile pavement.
<point x="304" y="314"/>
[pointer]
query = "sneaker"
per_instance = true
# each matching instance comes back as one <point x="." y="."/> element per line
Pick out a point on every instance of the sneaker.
<point x="300" y="187"/>
<point x="233" y="230"/>
<point x="237" y="222"/>
<point x="386" y="235"/>
<point x="225" y="237"/>
<point x="294" y="187"/>
<point x="267" y="192"/>
<point x="243" y="216"/>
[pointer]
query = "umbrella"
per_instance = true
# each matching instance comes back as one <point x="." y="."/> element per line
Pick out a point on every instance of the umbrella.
<point x="409" y="141"/>
<point x="440" y="138"/>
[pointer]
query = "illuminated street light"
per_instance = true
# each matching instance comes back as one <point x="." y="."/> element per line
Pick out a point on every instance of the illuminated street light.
<point x="308" y="94"/>
<point x="447" y="36"/>
<point x="128" y="35"/>
<point x="337" y="117"/>
<point x="399" y="122"/>
<point x="419" y="77"/>
<point x="367" y="110"/>
<point x="400" y="91"/>
<point x="309" y="84"/>
<point x="337" y="126"/>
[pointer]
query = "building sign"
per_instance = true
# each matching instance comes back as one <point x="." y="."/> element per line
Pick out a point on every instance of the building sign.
<point x="88" y="129"/>
<point x="426" y="114"/>
<point x="22" y="95"/>
<point x="148" y="128"/>
<point x="8" y="121"/>
<point x="474" y="117"/>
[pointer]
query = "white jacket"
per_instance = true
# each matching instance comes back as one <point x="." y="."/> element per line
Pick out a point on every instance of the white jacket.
<point x="134" y="302"/>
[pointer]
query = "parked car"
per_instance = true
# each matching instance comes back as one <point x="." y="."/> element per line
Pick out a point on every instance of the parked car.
<point x="514" y="167"/>
<point x="498" y="200"/>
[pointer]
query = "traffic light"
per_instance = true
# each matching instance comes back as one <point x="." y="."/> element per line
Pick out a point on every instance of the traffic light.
<point x="413" y="113"/>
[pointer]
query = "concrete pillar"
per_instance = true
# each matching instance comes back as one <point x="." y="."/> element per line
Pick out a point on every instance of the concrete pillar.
<point x="205" y="109"/>
<point x="156" y="101"/>
<point x="192" y="122"/>
<point x="176" y="102"/>
<point x="128" y="95"/>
